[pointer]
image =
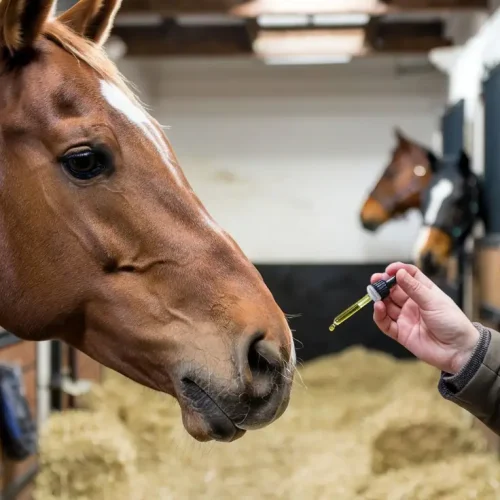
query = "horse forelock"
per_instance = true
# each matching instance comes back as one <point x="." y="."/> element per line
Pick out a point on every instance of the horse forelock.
<point x="92" y="55"/>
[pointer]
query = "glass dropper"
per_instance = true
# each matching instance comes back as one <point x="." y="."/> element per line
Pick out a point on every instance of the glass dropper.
<point x="376" y="292"/>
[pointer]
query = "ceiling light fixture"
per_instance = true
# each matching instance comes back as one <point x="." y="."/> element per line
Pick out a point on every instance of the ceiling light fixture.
<point x="340" y="19"/>
<point x="283" y="20"/>
<point x="307" y="60"/>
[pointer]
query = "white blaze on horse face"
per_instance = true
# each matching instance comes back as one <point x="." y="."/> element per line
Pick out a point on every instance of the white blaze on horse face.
<point x="122" y="103"/>
<point x="422" y="238"/>
<point x="439" y="193"/>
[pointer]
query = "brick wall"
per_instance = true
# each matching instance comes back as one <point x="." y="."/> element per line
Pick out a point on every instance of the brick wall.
<point x="12" y="473"/>
<point x="24" y="354"/>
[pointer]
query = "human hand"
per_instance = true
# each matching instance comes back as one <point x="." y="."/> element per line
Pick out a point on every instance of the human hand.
<point x="424" y="320"/>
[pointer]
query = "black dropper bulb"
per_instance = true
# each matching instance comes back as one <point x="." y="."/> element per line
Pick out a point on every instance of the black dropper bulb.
<point x="383" y="288"/>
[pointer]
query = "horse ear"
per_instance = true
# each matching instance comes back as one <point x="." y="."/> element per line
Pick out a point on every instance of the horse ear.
<point x="400" y="136"/>
<point x="22" y="21"/>
<point x="464" y="164"/>
<point x="92" y="19"/>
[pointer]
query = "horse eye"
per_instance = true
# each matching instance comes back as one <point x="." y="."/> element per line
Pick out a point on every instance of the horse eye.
<point x="420" y="171"/>
<point x="86" y="165"/>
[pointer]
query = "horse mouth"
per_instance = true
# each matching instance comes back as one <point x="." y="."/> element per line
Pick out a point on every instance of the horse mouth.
<point x="371" y="226"/>
<point x="206" y="420"/>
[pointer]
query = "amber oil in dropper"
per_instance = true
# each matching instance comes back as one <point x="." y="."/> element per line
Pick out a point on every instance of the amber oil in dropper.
<point x="376" y="292"/>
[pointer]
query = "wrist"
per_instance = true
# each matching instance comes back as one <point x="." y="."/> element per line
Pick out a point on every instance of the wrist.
<point x="464" y="353"/>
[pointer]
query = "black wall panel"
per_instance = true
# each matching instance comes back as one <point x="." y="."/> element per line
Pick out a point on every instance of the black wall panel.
<point x="318" y="293"/>
<point x="452" y="127"/>
<point x="492" y="150"/>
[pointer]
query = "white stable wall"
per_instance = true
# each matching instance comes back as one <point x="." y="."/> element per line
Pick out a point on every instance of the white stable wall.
<point x="283" y="156"/>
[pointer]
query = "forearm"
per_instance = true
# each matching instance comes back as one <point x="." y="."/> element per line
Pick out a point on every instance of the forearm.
<point x="476" y="388"/>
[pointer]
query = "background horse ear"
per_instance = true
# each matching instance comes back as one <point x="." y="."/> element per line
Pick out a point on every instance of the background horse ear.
<point x="92" y="19"/>
<point x="401" y="137"/>
<point x="22" y="21"/>
<point x="464" y="164"/>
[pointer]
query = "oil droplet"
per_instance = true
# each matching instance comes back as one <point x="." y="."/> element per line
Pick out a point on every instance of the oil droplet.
<point x="332" y="327"/>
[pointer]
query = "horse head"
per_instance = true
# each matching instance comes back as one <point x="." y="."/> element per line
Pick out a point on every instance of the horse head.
<point x="104" y="244"/>
<point x="399" y="188"/>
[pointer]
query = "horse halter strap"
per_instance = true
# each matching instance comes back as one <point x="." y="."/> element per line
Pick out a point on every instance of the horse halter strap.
<point x="459" y="230"/>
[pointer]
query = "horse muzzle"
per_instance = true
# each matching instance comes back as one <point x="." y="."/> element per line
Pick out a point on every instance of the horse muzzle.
<point x="373" y="215"/>
<point x="258" y="394"/>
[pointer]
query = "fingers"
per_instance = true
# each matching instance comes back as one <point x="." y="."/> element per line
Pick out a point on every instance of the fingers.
<point x="379" y="276"/>
<point x="393" y="310"/>
<point x="413" y="271"/>
<point x="398" y="296"/>
<point x="380" y="316"/>
<point x="384" y="321"/>
<point x="419" y="292"/>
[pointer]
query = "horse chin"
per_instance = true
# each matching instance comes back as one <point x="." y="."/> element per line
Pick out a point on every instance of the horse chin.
<point x="221" y="430"/>
<point x="208" y="417"/>
<point x="205" y="421"/>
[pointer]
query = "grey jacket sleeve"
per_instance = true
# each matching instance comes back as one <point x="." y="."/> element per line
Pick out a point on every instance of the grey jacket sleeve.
<point x="476" y="388"/>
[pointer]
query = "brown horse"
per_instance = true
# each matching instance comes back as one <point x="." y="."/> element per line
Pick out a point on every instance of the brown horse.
<point x="401" y="185"/>
<point x="103" y="243"/>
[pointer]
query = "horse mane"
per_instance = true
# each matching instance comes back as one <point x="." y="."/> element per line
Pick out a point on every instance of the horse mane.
<point x="90" y="54"/>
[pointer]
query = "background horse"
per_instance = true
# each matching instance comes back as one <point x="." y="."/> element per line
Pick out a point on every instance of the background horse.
<point x="401" y="185"/>
<point x="103" y="243"/>
<point x="450" y="207"/>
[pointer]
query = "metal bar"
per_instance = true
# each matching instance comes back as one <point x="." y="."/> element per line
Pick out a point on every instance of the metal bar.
<point x="489" y="241"/>
<point x="452" y="125"/>
<point x="453" y="129"/>
<point x="491" y="89"/>
<point x="55" y="370"/>
<point x="43" y="381"/>
<point x="73" y="368"/>
<point x="462" y="266"/>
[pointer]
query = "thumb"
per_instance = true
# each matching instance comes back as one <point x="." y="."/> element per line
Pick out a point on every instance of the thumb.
<point x="418" y="292"/>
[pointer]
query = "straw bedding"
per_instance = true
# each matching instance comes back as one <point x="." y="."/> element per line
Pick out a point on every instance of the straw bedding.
<point x="86" y="456"/>
<point x="361" y="425"/>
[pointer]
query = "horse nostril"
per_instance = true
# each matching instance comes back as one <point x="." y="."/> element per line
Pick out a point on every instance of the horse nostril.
<point x="264" y="361"/>
<point x="264" y="354"/>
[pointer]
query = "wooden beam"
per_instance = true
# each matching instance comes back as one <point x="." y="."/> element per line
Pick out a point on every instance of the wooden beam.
<point x="171" y="40"/>
<point x="406" y="36"/>
<point x="173" y="8"/>
<point x="437" y="4"/>
<point x="254" y="8"/>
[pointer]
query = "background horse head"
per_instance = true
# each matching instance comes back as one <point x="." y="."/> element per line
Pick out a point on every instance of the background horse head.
<point x="401" y="184"/>
<point x="450" y="207"/>
<point x="104" y="244"/>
